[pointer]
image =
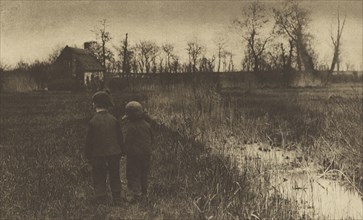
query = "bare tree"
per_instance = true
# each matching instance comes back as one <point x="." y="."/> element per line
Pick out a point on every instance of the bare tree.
<point x="273" y="57"/>
<point x="220" y="43"/>
<point x="206" y="65"/>
<point x="252" y="25"/>
<point x="220" y="54"/>
<point x="168" y="50"/>
<point x="230" y="62"/>
<point x="287" y="58"/>
<point x="113" y="65"/>
<point x="175" y="64"/>
<point x="194" y="51"/>
<point x="101" y="51"/>
<point x="154" y="67"/>
<point x="336" y="45"/>
<point x="161" y="65"/>
<point x="55" y="54"/>
<point x="134" y="65"/>
<point x="278" y="58"/>
<point x="125" y="54"/>
<point x="292" y="20"/>
<point x="147" y="52"/>
<point x="247" y="62"/>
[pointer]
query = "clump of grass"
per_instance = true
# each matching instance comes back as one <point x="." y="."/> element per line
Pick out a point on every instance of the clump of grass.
<point x="340" y="143"/>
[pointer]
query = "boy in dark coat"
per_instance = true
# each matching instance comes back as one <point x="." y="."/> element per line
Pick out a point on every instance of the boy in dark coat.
<point x="138" y="141"/>
<point x="104" y="146"/>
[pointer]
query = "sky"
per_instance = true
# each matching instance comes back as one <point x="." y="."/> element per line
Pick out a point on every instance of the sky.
<point x="31" y="30"/>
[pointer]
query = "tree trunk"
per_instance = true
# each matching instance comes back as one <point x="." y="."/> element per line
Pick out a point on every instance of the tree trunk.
<point x="125" y="63"/>
<point x="103" y="54"/>
<point x="219" y="59"/>
<point x="256" y="64"/>
<point x="298" y="59"/>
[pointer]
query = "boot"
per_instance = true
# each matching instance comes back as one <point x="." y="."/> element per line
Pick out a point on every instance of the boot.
<point x="144" y="200"/>
<point x="116" y="198"/>
<point x="133" y="197"/>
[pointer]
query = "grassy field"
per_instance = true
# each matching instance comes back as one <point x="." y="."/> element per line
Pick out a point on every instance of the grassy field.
<point x="45" y="174"/>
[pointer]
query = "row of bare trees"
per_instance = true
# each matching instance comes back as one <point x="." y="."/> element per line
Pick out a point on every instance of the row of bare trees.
<point x="288" y="44"/>
<point x="278" y="42"/>
<point x="148" y="57"/>
<point x="275" y="39"/>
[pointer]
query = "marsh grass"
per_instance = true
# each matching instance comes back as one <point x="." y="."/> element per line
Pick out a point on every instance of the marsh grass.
<point x="44" y="174"/>
<point x="193" y="177"/>
<point x="324" y="124"/>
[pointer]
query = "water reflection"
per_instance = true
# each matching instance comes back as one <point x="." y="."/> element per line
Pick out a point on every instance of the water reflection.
<point x="299" y="181"/>
<point x="319" y="198"/>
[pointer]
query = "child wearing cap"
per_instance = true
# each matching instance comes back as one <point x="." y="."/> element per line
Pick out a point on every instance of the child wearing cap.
<point x="138" y="141"/>
<point x="104" y="146"/>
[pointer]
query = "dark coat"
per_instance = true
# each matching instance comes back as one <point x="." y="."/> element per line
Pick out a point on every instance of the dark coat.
<point x="104" y="136"/>
<point x="138" y="137"/>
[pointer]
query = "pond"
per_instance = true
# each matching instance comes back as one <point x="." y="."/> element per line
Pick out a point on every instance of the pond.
<point x="318" y="197"/>
<point x="301" y="182"/>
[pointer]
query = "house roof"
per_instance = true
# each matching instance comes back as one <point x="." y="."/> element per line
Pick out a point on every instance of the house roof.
<point x="86" y="60"/>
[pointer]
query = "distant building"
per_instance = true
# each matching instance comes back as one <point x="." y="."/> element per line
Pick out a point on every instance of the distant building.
<point x="80" y="64"/>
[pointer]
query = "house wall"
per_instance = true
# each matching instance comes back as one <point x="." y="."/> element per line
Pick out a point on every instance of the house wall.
<point x="89" y="76"/>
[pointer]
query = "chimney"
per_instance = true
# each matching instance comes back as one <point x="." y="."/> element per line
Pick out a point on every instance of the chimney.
<point x="88" y="45"/>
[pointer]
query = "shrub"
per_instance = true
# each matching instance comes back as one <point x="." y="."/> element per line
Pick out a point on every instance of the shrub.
<point x="64" y="85"/>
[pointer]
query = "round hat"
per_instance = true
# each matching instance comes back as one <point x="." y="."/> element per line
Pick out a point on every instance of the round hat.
<point x="102" y="99"/>
<point x="133" y="108"/>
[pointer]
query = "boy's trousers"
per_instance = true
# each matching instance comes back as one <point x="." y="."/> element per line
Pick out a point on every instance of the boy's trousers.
<point x="101" y="166"/>
<point x="137" y="171"/>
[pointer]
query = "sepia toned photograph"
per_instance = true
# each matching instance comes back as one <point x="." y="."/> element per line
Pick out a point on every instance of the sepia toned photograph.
<point x="181" y="109"/>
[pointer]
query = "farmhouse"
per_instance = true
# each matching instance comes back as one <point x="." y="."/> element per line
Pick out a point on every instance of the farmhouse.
<point x="80" y="64"/>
